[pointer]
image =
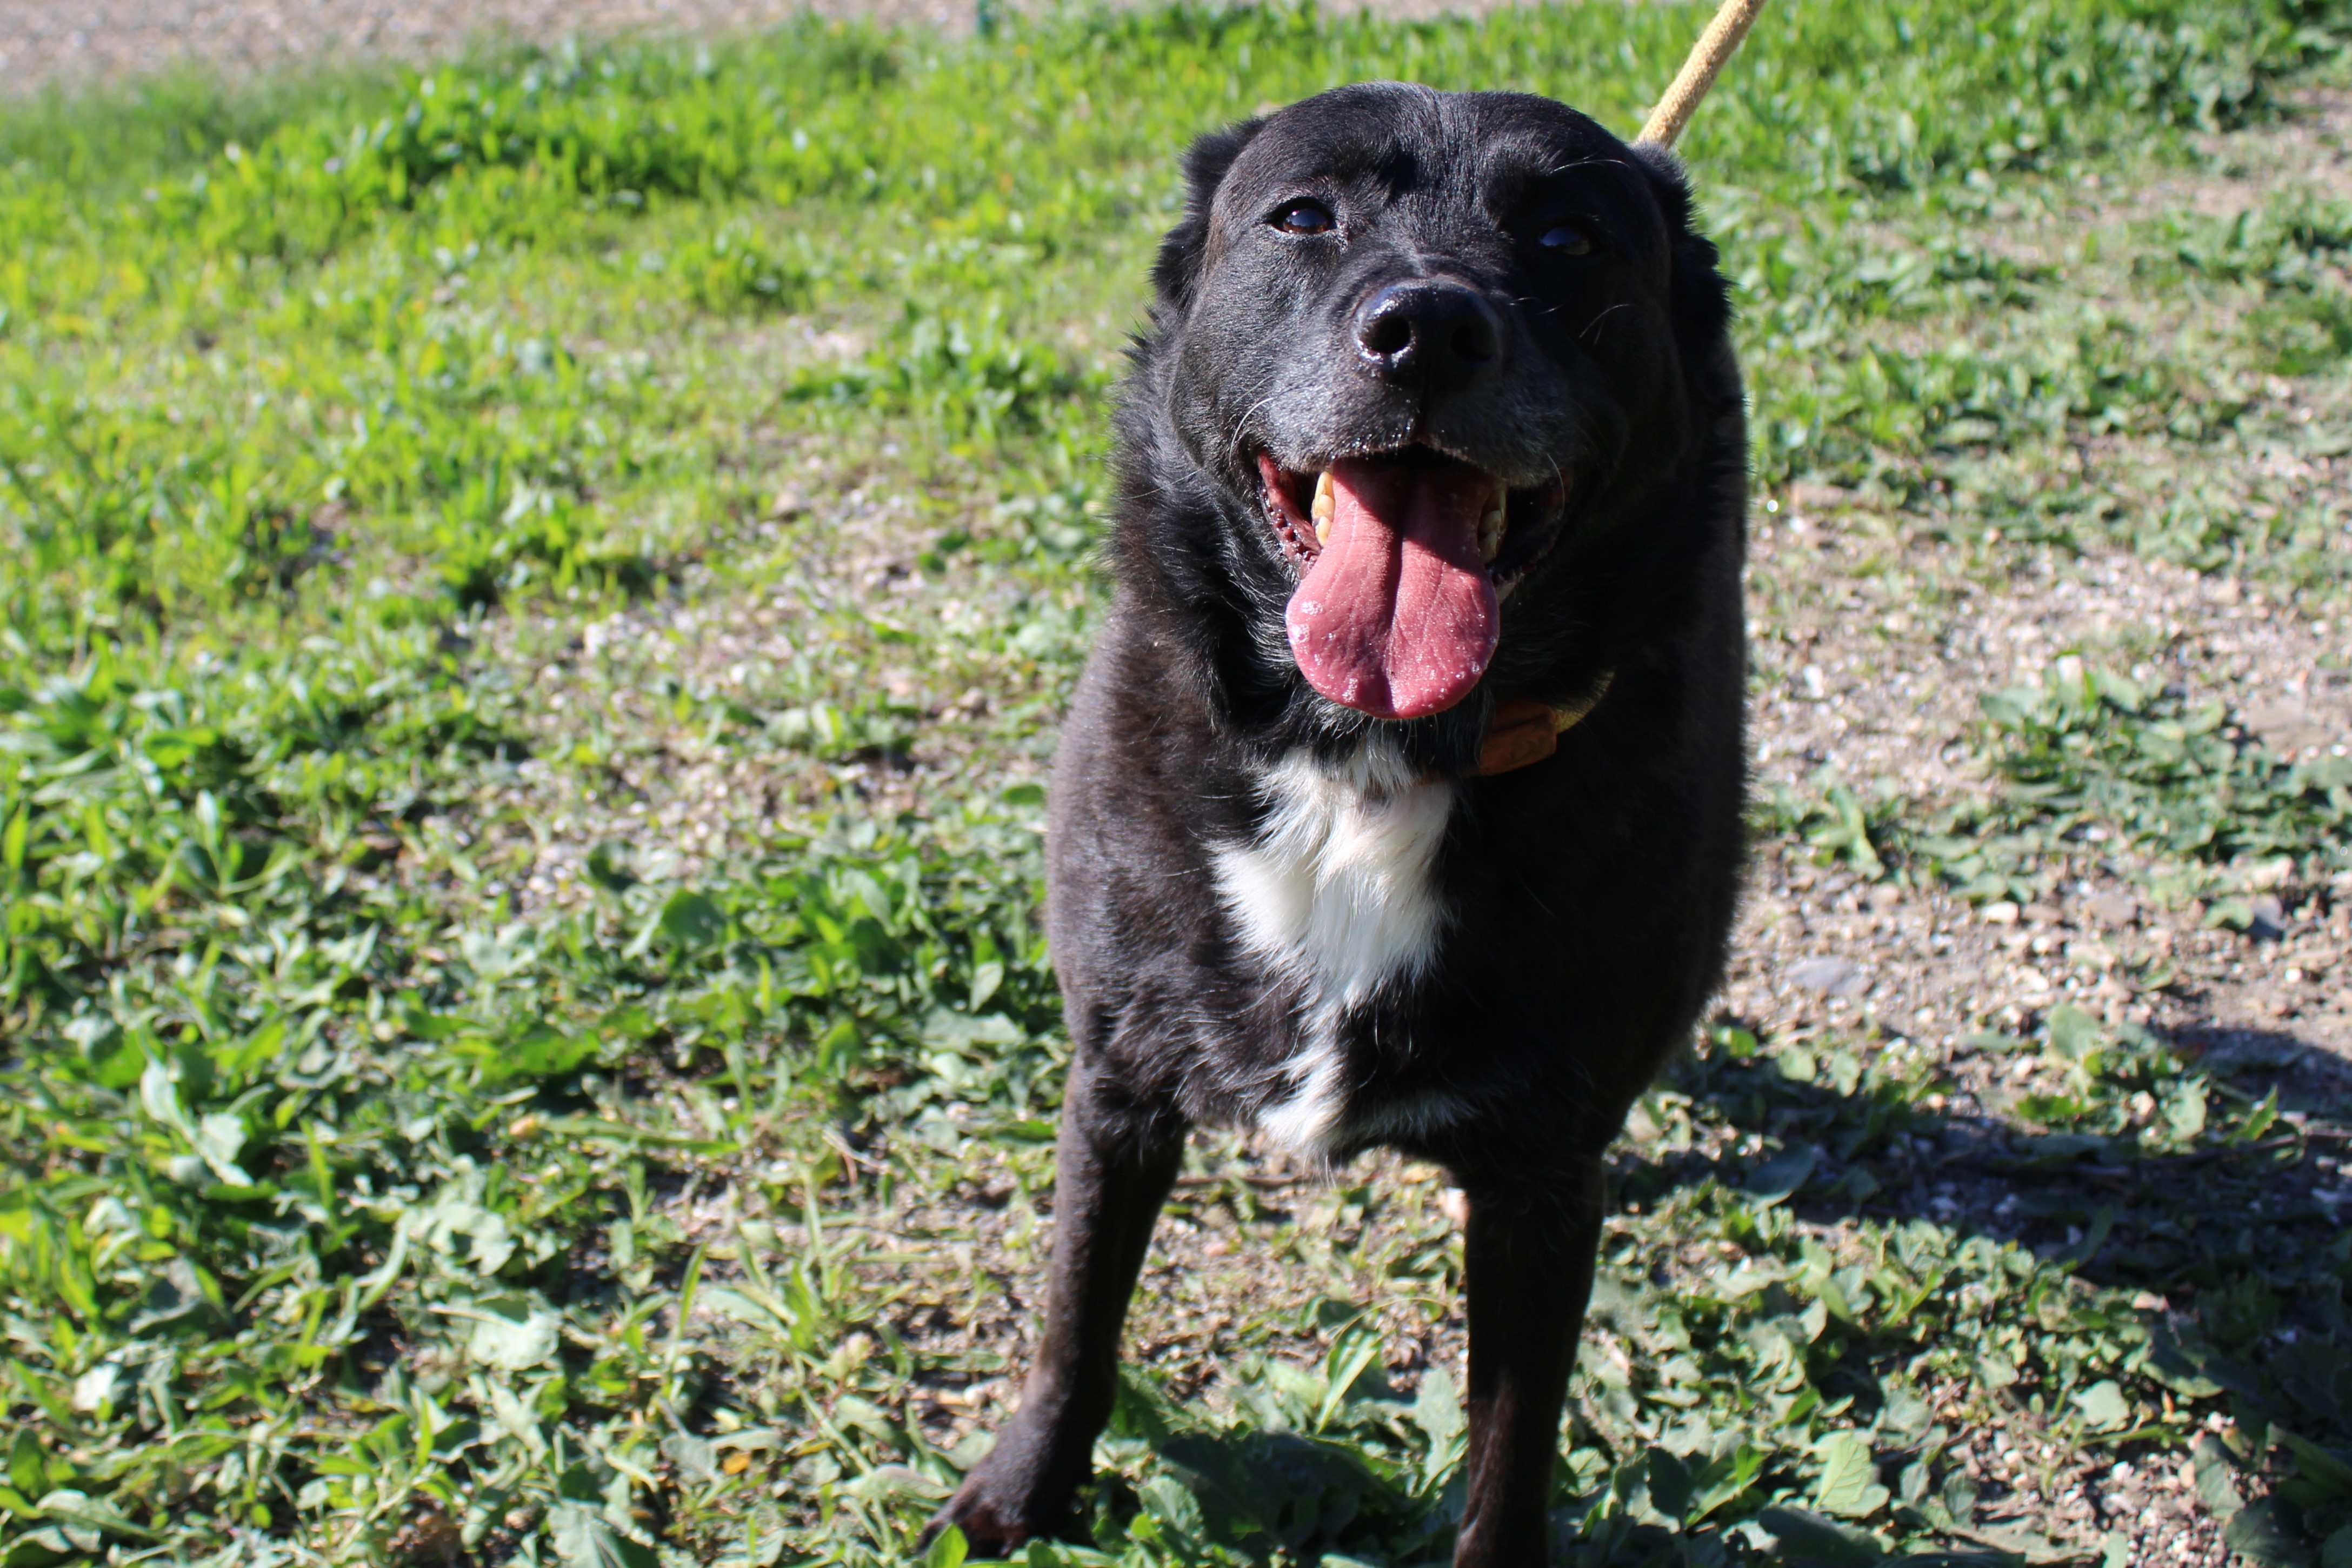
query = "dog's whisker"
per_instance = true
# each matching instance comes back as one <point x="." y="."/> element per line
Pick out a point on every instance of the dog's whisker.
<point x="1592" y="326"/>
<point x="1240" y="426"/>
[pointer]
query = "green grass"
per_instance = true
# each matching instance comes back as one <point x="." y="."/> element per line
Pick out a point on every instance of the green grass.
<point x="415" y="1151"/>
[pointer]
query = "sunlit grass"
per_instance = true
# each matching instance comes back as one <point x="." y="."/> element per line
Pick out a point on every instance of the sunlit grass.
<point x="464" y="1038"/>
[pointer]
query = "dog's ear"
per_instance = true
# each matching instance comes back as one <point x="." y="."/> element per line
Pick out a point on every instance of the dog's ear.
<point x="1206" y="163"/>
<point x="1702" y="300"/>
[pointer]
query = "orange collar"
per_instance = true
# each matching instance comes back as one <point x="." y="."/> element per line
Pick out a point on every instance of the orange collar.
<point x="1524" y="731"/>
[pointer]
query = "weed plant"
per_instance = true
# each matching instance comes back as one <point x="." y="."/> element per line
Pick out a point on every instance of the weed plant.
<point x="371" y="1199"/>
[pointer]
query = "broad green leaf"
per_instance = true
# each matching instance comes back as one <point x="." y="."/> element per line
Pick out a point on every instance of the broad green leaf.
<point x="161" y="1098"/>
<point x="219" y="1139"/>
<point x="948" y="1549"/>
<point x="2022" y="1542"/>
<point x="509" y="1333"/>
<point x="1172" y="1504"/>
<point x="1848" y="1485"/>
<point x="693" y="1455"/>
<point x="1352" y="1351"/>
<point x="544" y="1050"/>
<point x="27" y="1468"/>
<point x="78" y="1509"/>
<point x="692" y="920"/>
<point x="1723" y="1478"/>
<point x="1809" y="1535"/>
<point x="584" y="1539"/>
<point x="2185" y="1109"/>
<point x="1436" y="1409"/>
<point x="2073" y="1033"/>
<point x="2260" y="1533"/>
<point x="455" y="1227"/>
<point x="2216" y="1478"/>
<point x="95" y="1388"/>
<point x="2104" y="1406"/>
<point x="2319" y="1465"/>
<point x="1777" y="1178"/>
<point x="2258" y="1121"/>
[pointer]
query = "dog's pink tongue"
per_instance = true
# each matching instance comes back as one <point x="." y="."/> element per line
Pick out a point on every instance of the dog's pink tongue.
<point x="1396" y="616"/>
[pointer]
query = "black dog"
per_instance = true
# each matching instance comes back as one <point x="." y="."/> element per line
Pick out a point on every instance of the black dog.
<point x="1436" y="447"/>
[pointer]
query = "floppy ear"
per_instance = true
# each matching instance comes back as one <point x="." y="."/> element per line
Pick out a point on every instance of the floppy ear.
<point x="1702" y="300"/>
<point x="1205" y="165"/>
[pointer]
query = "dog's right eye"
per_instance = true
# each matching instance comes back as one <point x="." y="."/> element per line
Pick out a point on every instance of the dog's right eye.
<point x="1305" y="218"/>
<point x="1567" y="239"/>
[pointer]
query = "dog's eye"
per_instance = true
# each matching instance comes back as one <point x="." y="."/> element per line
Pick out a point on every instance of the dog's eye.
<point x="1567" y="239"/>
<point x="1305" y="218"/>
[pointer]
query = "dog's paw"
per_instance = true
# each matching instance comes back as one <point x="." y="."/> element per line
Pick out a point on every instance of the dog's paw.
<point x="989" y="1528"/>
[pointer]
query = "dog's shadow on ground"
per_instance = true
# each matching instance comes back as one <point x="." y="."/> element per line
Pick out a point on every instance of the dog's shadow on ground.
<point x="2235" y="1246"/>
<point x="2235" y="1238"/>
<point x="1886" y="1154"/>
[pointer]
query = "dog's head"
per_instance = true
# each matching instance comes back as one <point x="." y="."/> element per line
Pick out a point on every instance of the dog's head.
<point x="1414" y="353"/>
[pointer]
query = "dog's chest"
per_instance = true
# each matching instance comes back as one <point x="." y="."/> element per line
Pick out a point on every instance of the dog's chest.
<point x="1337" y="892"/>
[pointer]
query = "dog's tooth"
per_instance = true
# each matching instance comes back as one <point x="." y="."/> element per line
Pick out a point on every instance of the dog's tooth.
<point x="1326" y="503"/>
<point x="1493" y="524"/>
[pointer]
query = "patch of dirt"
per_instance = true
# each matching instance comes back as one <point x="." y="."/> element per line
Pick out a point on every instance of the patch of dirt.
<point x="76" y="42"/>
<point x="1872" y="646"/>
<point x="1850" y="679"/>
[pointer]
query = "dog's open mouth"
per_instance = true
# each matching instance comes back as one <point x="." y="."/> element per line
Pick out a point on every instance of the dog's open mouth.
<point x="1406" y="557"/>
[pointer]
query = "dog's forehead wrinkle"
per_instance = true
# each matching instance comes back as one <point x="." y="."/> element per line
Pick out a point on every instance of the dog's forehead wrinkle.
<point x="1404" y="138"/>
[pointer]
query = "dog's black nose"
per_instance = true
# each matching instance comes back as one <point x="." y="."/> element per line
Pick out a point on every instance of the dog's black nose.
<point x="1428" y="331"/>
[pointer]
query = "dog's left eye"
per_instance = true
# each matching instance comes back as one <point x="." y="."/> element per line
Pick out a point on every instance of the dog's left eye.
<point x="1567" y="239"/>
<point x="1305" y="218"/>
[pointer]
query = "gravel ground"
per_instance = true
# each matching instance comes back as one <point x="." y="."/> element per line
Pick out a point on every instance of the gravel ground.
<point x="74" y="42"/>
<point x="1885" y="693"/>
<point x="1874" y="643"/>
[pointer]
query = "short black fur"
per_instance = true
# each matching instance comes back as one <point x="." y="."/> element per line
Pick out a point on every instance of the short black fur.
<point x="1586" y="898"/>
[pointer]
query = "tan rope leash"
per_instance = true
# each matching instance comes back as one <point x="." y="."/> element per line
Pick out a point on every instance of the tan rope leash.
<point x="1707" y="58"/>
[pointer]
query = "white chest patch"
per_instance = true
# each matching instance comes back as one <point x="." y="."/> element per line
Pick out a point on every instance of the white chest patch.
<point x="1335" y="889"/>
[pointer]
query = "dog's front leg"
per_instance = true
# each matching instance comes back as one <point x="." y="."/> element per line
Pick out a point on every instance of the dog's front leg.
<point x="1527" y="1254"/>
<point x="1114" y="1168"/>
